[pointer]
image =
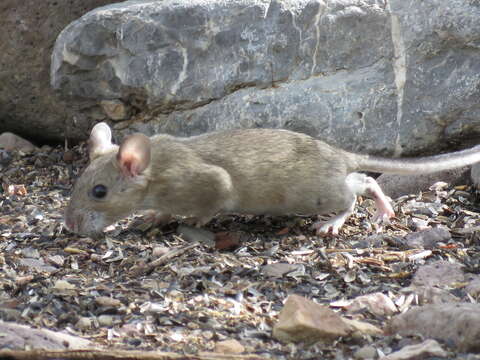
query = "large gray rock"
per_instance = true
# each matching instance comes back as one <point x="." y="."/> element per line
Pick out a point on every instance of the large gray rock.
<point x="395" y="185"/>
<point x="28" y="105"/>
<point x="458" y="324"/>
<point x="396" y="77"/>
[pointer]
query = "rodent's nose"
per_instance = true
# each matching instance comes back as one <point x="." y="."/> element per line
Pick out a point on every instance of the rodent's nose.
<point x="69" y="222"/>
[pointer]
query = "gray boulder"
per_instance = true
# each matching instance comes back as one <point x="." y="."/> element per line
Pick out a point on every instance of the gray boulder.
<point x="28" y="105"/>
<point x="395" y="185"/>
<point x="398" y="77"/>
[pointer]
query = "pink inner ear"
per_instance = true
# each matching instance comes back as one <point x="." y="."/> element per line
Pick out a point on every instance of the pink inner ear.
<point x="133" y="156"/>
<point x="128" y="164"/>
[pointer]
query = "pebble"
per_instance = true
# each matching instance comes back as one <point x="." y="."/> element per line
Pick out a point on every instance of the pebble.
<point x="84" y="323"/>
<point x="107" y="301"/>
<point x="192" y="234"/>
<point x="193" y="326"/>
<point x="230" y="346"/>
<point x="366" y="352"/>
<point x="159" y="251"/>
<point x="105" y="320"/>
<point x="208" y="334"/>
<point x="57" y="260"/>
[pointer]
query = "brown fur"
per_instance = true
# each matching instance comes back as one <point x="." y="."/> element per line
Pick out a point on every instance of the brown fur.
<point x="254" y="171"/>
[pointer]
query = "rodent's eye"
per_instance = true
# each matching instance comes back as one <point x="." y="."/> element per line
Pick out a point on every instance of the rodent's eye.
<point x="99" y="191"/>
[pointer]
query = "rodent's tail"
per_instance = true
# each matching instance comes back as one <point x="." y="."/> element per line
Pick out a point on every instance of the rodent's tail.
<point x="423" y="165"/>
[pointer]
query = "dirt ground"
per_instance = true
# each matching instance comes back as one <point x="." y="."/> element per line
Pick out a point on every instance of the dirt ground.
<point x="215" y="284"/>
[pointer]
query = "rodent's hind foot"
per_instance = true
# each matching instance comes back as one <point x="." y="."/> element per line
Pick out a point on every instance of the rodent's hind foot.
<point x="331" y="226"/>
<point x="334" y="224"/>
<point x="382" y="202"/>
<point x="382" y="217"/>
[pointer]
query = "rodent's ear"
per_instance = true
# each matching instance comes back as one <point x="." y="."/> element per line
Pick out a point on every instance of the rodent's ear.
<point x="133" y="156"/>
<point x="100" y="140"/>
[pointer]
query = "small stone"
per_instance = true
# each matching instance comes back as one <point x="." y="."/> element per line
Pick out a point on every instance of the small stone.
<point x="159" y="251"/>
<point x="31" y="253"/>
<point x="208" y="335"/>
<point x="230" y="346"/>
<point x="192" y="234"/>
<point x="377" y="303"/>
<point x="134" y="342"/>
<point x="96" y="257"/>
<point x="57" y="260"/>
<point x="193" y="326"/>
<point x="176" y="294"/>
<point x="427" y="349"/>
<point x="278" y="270"/>
<point x="455" y="323"/>
<point x="439" y="274"/>
<point x="304" y="320"/>
<point x="84" y="324"/>
<point x="366" y="352"/>
<point x="105" y="320"/>
<point x="63" y="285"/>
<point x="427" y="239"/>
<point x="362" y="328"/>
<point x="107" y="301"/>
<point x="37" y="264"/>
<point x="12" y="142"/>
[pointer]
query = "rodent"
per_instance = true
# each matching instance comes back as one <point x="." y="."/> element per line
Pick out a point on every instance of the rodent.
<point x="252" y="171"/>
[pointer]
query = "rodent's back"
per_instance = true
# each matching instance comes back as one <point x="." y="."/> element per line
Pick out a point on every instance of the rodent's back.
<point x="273" y="171"/>
<point x="256" y="145"/>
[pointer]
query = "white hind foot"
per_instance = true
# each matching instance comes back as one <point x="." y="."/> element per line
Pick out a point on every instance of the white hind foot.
<point x="334" y="224"/>
<point x="359" y="184"/>
<point x="382" y="202"/>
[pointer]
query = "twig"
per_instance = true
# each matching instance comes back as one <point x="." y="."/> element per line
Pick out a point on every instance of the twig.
<point x="142" y="269"/>
<point x="115" y="355"/>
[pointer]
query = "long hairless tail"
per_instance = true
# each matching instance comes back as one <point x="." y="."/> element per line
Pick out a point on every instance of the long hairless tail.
<point x="422" y="165"/>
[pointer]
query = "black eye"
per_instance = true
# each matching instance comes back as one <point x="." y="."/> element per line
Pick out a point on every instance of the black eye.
<point x="99" y="191"/>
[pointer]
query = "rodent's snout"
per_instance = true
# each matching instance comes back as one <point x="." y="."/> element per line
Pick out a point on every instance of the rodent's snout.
<point x="69" y="224"/>
<point x="83" y="222"/>
<point x="69" y="221"/>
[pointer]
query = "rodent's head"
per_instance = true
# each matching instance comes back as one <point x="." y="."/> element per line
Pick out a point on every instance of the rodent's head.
<point x="112" y="186"/>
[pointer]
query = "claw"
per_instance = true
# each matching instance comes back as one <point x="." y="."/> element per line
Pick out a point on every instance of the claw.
<point x="334" y="224"/>
<point x="328" y="227"/>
